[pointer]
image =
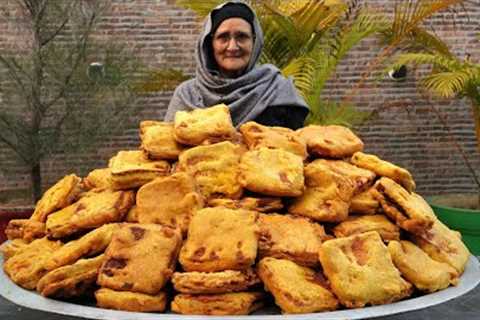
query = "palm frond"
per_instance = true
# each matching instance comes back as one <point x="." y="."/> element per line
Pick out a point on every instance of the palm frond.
<point x="449" y="84"/>
<point x="421" y="39"/>
<point x="332" y="113"/>
<point x="302" y="70"/>
<point x="445" y="63"/>
<point x="201" y="8"/>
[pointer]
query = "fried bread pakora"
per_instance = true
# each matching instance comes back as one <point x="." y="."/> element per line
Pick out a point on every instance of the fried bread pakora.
<point x="131" y="169"/>
<point x="443" y="245"/>
<point x="330" y="141"/>
<point x="220" y="239"/>
<point x="290" y="237"/>
<point x="92" y="243"/>
<point x="264" y="204"/>
<point x="296" y="289"/>
<point x="194" y="127"/>
<point x="131" y="301"/>
<point x="384" y="169"/>
<point x="98" y="178"/>
<point x="418" y="268"/>
<point x="12" y="247"/>
<point x="365" y="203"/>
<point x="170" y="201"/>
<point x="273" y="172"/>
<point x="60" y="195"/>
<point x="360" y="224"/>
<point x="234" y="303"/>
<point x="132" y="214"/>
<point x="214" y="168"/>
<point x="408" y="210"/>
<point x="25" y="268"/>
<point x="140" y="258"/>
<point x="71" y="280"/>
<point x="361" y="271"/>
<point x="158" y="140"/>
<point x="214" y="282"/>
<point x="26" y="229"/>
<point x="258" y="136"/>
<point x="90" y="212"/>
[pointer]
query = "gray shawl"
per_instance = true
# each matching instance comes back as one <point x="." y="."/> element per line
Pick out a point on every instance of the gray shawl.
<point x="247" y="96"/>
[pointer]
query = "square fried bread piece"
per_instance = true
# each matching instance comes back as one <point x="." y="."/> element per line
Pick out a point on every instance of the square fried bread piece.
<point x="264" y="204"/>
<point x="257" y="136"/>
<point x="384" y="169"/>
<point x="220" y="239"/>
<point x="169" y="200"/>
<point x="214" y="282"/>
<point x="296" y="289"/>
<point x="158" y="140"/>
<point x="140" y="258"/>
<point x="290" y="237"/>
<point x="443" y="245"/>
<point x="12" y="247"/>
<point x="25" y="268"/>
<point x="418" y="268"/>
<point x="409" y="210"/>
<point x="131" y="169"/>
<point x="234" y="303"/>
<point x="360" y="224"/>
<point x="71" y="281"/>
<point x="365" y="203"/>
<point x="194" y="127"/>
<point x="273" y="172"/>
<point x="26" y="229"/>
<point x="330" y="141"/>
<point x="90" y="244"/>
<point x="60" y="195"/>
<point x="91" y="211"/>
<point x="215" y="169"/>
<point x="361" y="271"/>
<point x="130" y="301"/>
<point x="98" y="178"/>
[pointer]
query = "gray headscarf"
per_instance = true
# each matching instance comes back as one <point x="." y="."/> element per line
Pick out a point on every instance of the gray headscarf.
<point x="247" y="96"/>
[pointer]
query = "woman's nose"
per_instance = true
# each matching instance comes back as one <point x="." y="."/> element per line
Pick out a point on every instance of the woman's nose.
<point x="232" y="44"/>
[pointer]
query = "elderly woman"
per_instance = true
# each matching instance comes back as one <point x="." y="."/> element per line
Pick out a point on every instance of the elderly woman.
<point x="227" y="72"/>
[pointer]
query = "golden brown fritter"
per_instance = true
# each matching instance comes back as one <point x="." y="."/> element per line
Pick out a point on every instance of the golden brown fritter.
<point x="132" y="214"/>
<point x="365" y="203"/>
<point x="26" y="229"/>
<point x="98" y="178"/>
<point x="130" y="301"/>
<point x="258" y="136"/>
<point x="158" y="141"/>
<point x="264" y="204"/>
<point x="360" y="224"/>
<point x="236" y="303"/>
<point x="330" y="141"/>
<point x="72" y="280"/>
<point x="214" y="282"/>
<point x="220" y="239"/>
<point x="290" y="237"/>
<point x="12" y="247"/>
<point x="140" y="258"/>
<point x="296" y="289"/>
<point x="361" y="271"/>
<point x="90" y="212"/>
<point x="418" y="268"/>
<point x="273" y="172"/>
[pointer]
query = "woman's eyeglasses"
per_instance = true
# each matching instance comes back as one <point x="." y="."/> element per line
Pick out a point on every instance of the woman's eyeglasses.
<point x="241" y="38"/>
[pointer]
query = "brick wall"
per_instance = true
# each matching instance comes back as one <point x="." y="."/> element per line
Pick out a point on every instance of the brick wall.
<point x="406" y="130"/>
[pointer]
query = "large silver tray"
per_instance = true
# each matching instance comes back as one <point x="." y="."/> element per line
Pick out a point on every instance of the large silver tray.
<point x="31" y="299"/>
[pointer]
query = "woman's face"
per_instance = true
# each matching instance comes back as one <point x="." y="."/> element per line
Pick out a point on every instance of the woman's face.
<point x="232" y="46"/>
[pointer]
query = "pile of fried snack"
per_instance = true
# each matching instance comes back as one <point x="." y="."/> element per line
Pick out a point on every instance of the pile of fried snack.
<point x="207" y="219"/>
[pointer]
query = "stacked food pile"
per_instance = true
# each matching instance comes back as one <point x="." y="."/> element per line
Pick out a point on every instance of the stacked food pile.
<point x="226" y="216"/>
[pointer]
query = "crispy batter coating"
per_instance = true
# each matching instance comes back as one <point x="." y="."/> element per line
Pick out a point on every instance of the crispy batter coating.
<point x="418" y="268"/>
<point x="264" y="204"/>
<point x="194" y="127"/>
<point x="235" y="303"/>
<point x="385" y="169"/>
<point x="290" y="237"/>
<point x="330" y="141"/>
<point x="25" y="268"/>
<point x="258" y="136"/>
<point x="215" y="169"/>
<point x="273" y="172"/>
<point x="131" y="169"/>
<point x="91" y="211"/>
<point x="132" y="214"/>
<point x="296" y="289"/>
<point x="169" y="200"/>
<point x="98" y="178"/>
<point x="158" y="140"/>
<point x="12" y="247"/>
<point x="72" y="280"/>
<point x="140" y="258"/>
<point x="220" y="239"/>
<point x="60" y="195"/>
<point x="361" y="271"/>
<point x="214" y="282"/>
<point x="360" y="224"/>
<point x="365" y="203"/>
<point x="130" y="301"/>
<point x="26" y="229"/>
